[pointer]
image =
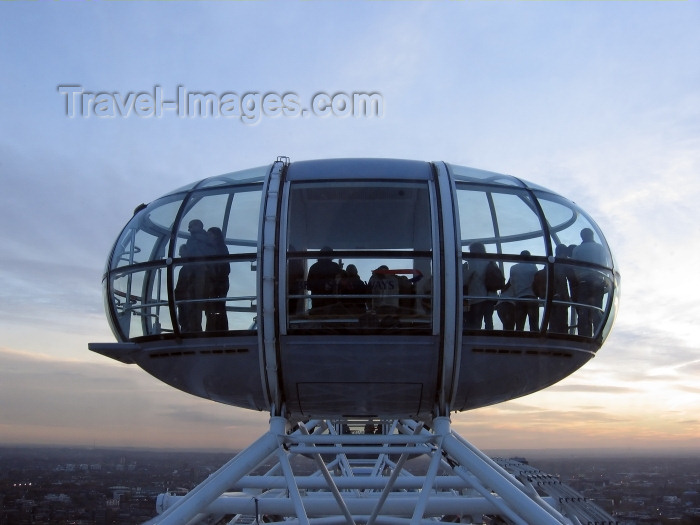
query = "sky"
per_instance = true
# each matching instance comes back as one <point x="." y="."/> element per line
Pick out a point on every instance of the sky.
<point x="598" y="101"/>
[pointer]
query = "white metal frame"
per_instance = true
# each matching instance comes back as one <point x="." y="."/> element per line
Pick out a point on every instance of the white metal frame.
<point x="362" y="478"/>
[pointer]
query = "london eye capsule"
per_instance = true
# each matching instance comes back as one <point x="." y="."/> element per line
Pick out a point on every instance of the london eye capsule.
<point x="360" y="288"/>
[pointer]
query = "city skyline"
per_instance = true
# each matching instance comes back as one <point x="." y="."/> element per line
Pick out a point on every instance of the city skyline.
<point x="596" y="101"/>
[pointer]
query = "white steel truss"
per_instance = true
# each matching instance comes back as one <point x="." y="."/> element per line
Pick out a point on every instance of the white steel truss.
<point x="365" y="472"/>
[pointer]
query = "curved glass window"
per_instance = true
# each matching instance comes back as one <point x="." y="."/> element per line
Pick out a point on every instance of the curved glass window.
<point x="140" y="301"/>
<point x="532" y="261"/>
<point x="137" y="283"/>
<point x="566" y="222"/>
<point x="146" y="238"/>
<point x="206" y="282"/>
<point x="473" y="175"/>
<point x="359" y="257"/>
<point x="504" y="221"/>
<point x="235" y="213"/>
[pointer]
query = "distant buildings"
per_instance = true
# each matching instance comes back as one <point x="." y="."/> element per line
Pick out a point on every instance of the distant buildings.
<point x="103" y="487"/>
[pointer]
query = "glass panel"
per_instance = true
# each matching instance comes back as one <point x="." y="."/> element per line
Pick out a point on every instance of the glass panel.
<point x="504" y="222"/>
<point x="562" y="318"/>
<point x="216" y="295"/>
<point x="579" y="297"/>
<point x="359" y="256"/>
<point x="521" y="279"/>
<point x="250" y="175"/>
<point x="141" y="302"/>
<point x="475" y="218"/>
<point x="502" y="286"/>
<point x="359" y="216"/>
<point x="519" y="225"/>
<point x="613" y="300"/>
<point x="567" y="225"/>
<point x="364" y="294"/>
<point x="237" y="177"/>
<point x="147" y="236"/>
<point x="212" y="293"/>
<point x="234" y="212"/>
<point x="203" y="212"/>
<point x="592" y="296"/>
<point x="462" y="173"/>
<point x="243" y="221"/>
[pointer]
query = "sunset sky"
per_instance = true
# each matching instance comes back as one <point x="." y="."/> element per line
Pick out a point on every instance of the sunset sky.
<point x="598" y="101"/>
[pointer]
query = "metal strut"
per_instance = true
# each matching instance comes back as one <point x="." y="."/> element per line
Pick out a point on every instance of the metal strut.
<point x="373" y="471"/>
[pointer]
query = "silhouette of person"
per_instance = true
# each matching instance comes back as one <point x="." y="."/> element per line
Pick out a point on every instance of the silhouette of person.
<point x="194" y="277"/>
<point x="506" y="307"/>
<point x="217" y="282"/>
<point x="573" y="287"/>
<point x="183" y="293"/>
<point x="563" y="275"/>
<point x="322" y="279"/>
<point x="198" y="243"/>
<point x="590" y="283"/>
<point x="352" y="284"/>
<point x="522" y="276"/>
<point x="423" y="287"/>
<point x="384" y="287"/>
<point x="480" y="304"/>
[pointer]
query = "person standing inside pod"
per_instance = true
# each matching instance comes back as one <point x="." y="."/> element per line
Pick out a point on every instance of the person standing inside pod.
<point x="590" y="287"/>
<point x="196" y="276"/>
<point x="321" y="279"/>
<point x="217" y="283"/>
<point x="505" y="307"/>
<point x="384" y="287"/>
<point x="563" y="275"/>
<point x="352" y="284"/>
<point x="522" y="275"/>
<point x="480" y="301"/>
<point x="183" y="292"/>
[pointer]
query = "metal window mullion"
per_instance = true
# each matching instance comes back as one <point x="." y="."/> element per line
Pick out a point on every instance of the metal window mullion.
<point x="267" y="288"/>
<point x="450" y="284"/>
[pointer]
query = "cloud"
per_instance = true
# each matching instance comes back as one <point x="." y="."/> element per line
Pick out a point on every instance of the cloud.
<point x="689" y="389"/>
<point x="597" y="101"/>
<point x="608" y="389"/>
<point x="56" y="401"/>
